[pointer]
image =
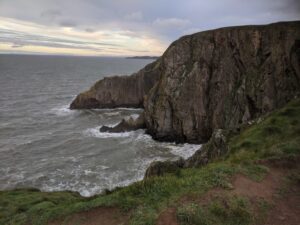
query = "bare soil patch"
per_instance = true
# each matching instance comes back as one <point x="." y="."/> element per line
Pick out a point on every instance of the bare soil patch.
<point x="98" y="216"/>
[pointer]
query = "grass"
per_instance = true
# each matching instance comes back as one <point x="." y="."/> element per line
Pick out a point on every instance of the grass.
<point x="277" y="136"/>
<point x="225" y="211"/>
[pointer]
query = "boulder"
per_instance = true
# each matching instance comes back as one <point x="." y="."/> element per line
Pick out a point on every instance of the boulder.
<point x="129" y="124"/>
<point x="159" y="168"/>
<point x="213" y="149"/>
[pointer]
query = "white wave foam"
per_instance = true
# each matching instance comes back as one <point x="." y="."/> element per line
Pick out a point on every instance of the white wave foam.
<point x="133" y="116"/>
<point x="119" y="109"/>
<point x="62" y="110"/>
<point x="90" y="192"/>
<point x="145" y="137"/>
<point x="112" y="113"/>
<point x="95" y="132"/>
<point x="184" y="150"/>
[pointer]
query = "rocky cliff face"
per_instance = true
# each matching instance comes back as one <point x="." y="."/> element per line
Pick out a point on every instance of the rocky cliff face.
<point x="221" y="78"/>
<point x="216" y="79"/>
<point x="119" y="91"/>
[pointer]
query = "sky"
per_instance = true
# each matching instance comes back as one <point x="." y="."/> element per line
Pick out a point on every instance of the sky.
<point x="124" y="27"/>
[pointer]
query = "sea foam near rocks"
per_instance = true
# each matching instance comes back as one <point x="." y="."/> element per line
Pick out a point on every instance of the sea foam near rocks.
<point x="94" y="132"/>
<point x="63" y="110"/>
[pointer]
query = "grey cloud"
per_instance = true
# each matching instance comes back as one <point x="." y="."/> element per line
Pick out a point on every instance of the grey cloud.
<point x="89" y="30"/>
<point x="67" y="23"/>
<point x="171" y="23"/>
<point x="135" y="16"/>
<point x="21" y="39"/>
<point x="51" y="13"/>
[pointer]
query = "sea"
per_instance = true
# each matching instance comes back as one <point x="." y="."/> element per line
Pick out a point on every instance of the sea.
<point x="45" y="145"/>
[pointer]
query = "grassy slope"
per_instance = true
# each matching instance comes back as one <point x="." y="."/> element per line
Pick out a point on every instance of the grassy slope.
<point x="277" y="136"/>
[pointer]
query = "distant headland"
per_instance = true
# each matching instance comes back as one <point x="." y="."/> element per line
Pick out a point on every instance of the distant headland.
<point x="142" y="57"/>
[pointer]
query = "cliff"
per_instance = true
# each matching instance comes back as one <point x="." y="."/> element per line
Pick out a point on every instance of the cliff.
<point x="119" y="91"/>
<point x="222" y="78"/>
<point x="217" y="79"/>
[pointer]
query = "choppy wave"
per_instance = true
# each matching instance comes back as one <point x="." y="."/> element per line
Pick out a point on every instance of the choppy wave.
<point x="133" y="116"/>
<point x="112" y="113"/>
<point x="63" y="110"/>
<point x="184" y="150"/>
<point x="120" y="109"/>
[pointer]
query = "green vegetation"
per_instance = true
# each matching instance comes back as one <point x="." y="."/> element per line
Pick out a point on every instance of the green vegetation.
<point x="276" y="136"/>
<point x="226" y="211"/>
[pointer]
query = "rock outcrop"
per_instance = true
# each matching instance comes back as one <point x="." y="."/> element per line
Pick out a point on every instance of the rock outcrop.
<point x="213" y="149"/>
<point x="119" y="91"/>
<point x="221" y="78"/>
<point x="159" y="168"/>
<point x="127" y="124"/>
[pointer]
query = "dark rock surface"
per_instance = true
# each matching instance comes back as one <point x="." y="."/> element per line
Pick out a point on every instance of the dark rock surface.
<point x="119" y="91"/>
<point x="213" y="149"/>
<point x="221" y="78"/>
<point x="159" y="168"/>
<point x="129" y="124"/>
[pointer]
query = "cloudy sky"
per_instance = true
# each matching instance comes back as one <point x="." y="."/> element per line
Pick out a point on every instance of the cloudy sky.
<point x="124" y="27"/>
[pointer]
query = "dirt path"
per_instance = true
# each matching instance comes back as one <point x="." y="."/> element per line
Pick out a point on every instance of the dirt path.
<point x="98" y="216"/>
<point x="286" y="206"/>
<point x="287" y="209"/>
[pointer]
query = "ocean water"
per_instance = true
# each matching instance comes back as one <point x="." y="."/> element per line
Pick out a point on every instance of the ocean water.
<point x="45" y="145"/>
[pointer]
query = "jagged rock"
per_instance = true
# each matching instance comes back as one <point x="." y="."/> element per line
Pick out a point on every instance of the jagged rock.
<point x="119" y="91"/>
<point x="159" y="168"/>
<point x="223" y="78"/>
<point x="129" y="124"/>
<point x="214" y="148"/>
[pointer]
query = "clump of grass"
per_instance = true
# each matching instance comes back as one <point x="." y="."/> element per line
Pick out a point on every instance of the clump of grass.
<point x="295" y="122"/>
<point x="227" y="211"/>
<point x="270" y="130"/>
<point x="290" y="148"/>
<point x="263" y="208"/>
<point x="255" y="171"/>
<point x="289" y="112"/>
